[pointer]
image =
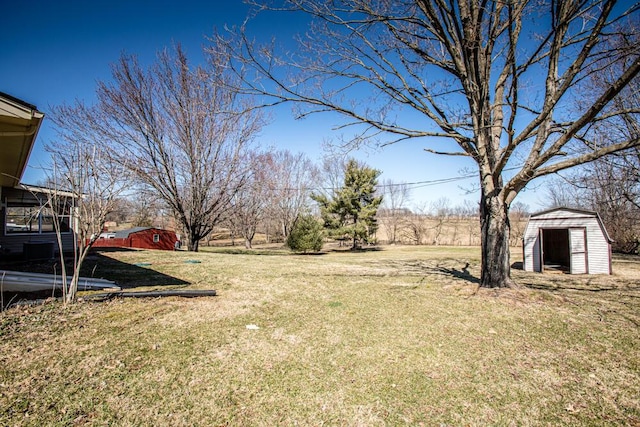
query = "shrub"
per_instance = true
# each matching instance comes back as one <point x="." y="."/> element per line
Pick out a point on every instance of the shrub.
<point x="306" y="235"/>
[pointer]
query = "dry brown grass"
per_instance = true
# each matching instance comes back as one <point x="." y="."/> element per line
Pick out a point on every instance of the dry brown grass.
<point x="397" y="336"/>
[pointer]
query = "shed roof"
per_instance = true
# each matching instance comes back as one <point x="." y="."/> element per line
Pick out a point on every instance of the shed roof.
<point x="123" y="234"/>
<point x="583" y="212"/>
<point x="562" y="208"/>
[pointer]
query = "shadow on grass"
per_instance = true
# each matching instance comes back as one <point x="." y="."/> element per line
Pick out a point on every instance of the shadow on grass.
<point x="259" y="252"/>
<point x="349" y="250"/>
<point x="284" y="251"/>
<point x="124" y="274"/>
<point x="557" y="282"/>
<point x="309" y="253"/>
<point x="96" y="265"/>
<point x="243" y="251"/>
<point x="424" y="268"/>
<point x="462" y="274"/>
<point x="556" y="287"/>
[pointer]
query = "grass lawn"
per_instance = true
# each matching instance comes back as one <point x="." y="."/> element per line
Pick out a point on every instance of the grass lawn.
<point x="397" y="336"/>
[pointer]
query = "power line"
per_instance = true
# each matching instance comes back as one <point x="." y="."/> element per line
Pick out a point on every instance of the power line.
<point x="413" y="185"/>
<point x="428" y="183"/>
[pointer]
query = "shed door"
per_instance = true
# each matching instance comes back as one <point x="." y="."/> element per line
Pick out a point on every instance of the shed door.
<point x="578" y="239"/>
<point x="556" y="249"/>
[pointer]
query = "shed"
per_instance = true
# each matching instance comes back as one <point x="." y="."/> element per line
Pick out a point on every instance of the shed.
<point x="568" y="240"/>
<point x="139" y="237"/>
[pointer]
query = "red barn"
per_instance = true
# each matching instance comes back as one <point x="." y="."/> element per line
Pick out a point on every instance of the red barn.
<point x="139" y="237"/>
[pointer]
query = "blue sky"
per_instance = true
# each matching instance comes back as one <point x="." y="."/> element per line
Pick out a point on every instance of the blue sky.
<point x="54" y="52"/>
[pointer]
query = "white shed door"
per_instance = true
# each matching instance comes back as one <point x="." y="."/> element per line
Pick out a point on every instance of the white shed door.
<point x="578" y="245"/>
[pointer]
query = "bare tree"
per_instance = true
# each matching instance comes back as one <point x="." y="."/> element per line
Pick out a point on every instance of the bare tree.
<point x="609" y="188"/>
<point x="332" y="174"/>
<point x="613" y="193"/>
<point x="468" y="213"/>
<point x="629" y="164"/>
<point x="145" y="208"/>
<point x="440" y="210"/>
<point x="499" y="78"/>
<point x="395" y="197"/>
<point x="294" y="177"/>
<point x="611" y="185"/>
<point x="416" y="227"/>
<point x="518" y="216"/>
<point x="182" y="130"/>
<point x="560" y="192"/>
<point x="249" y="204"/>
<point x="86" y="184"/>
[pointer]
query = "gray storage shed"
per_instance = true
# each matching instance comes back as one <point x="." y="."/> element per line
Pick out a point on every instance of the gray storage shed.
<point x="568" y="240"/>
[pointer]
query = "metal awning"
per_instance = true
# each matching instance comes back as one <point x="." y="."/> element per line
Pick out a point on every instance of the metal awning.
<point x="19" y="125"/>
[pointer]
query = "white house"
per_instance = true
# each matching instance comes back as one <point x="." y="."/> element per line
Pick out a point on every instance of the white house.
<point x="569" y="240"/>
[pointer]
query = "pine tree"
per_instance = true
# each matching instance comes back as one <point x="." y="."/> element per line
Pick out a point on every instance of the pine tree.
<point x="351" y="212"/>
<point x="305" y="235"/>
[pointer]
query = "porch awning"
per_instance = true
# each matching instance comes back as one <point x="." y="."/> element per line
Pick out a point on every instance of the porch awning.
<point x="19" y="125"/>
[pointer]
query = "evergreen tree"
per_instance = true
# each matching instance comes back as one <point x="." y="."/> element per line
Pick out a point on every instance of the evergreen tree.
<point x="305" y="235"/>
<point x="351" y="212"/>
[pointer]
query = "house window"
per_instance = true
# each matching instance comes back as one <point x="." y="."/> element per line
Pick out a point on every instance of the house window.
<point x="156" y="238"/>
<point x="33" y="219"/>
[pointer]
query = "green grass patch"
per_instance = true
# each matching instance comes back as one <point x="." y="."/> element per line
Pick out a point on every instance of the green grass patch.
<point x="399" y="336"/>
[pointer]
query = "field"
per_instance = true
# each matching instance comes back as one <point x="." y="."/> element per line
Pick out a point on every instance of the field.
<point x="394" y="336"/>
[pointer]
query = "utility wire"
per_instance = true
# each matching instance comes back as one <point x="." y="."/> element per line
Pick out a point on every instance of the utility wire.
<point x="412" y="185"/>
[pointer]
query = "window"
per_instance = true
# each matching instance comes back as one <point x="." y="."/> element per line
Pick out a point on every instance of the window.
<point x="156" y="238"/>
<point x="22" y="220"/>
<point x="33" y="219"/>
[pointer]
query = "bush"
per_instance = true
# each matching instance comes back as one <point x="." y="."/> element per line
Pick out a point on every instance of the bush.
<point x="306" y="235"/>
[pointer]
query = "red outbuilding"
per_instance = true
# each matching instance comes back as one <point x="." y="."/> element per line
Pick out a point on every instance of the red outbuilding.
<point x="139" y="237"/>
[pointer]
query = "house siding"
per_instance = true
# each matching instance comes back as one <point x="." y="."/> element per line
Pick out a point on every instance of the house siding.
<point x="13" y="243"/>
<point x="596" y="244"/>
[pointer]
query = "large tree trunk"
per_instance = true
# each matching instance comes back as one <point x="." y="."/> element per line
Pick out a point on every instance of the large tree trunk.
<point x="193" y="239"/>
<point x="495" y="228"/>
<point x="193" y="244"/>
